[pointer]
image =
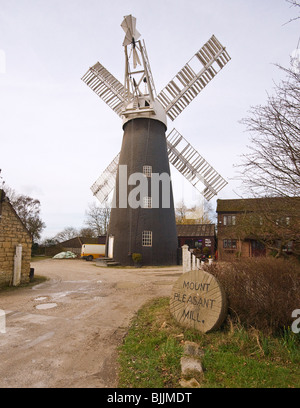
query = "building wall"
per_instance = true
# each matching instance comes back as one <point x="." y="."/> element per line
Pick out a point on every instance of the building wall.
<point x="273" y="221"/>
<point x="207" y="241"/>
<point x="243" y="250"/>
<point x="149" y="231"/>
<point x="12" y="233"/>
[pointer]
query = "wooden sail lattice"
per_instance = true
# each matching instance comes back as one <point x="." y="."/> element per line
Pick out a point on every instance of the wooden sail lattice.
<point x="174" y="98"/>
<point x="106" y="86"/>
<point x="183" y="157"/>
<point x="104" y="185"/>
<point x="193" y="166"/>
<point x="193" y="77"/>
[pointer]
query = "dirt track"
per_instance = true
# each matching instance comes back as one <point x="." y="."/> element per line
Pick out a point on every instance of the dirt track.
<point x="73" y="343"/>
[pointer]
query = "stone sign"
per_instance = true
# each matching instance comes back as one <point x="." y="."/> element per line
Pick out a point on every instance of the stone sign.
<point x="198" y="301"/>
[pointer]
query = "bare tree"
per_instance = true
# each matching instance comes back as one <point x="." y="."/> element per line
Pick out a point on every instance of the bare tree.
<point x="65" y="234"/>
<point x="272" y="168"/>
<point x="28" y="209"/>
<point x="97" y="218"/>
<point x="293" y="3"/>
<point x="180" y="212"/>
<point x="87" y="232"/>
<point x="195" y="214"/>
<point x="272" y="221"/>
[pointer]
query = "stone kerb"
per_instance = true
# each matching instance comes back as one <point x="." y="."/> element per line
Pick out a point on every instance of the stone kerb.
<point x="198" y="301"/>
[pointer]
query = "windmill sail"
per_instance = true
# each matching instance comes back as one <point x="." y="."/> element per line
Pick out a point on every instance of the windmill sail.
<point x="129" y="100"/>
<point x="106" y="86"/>
<point x="193" y="166"/>
<point x="104" y="185"/>
<point x="193" y="77"/>
<point x="183" y="157"/>
<point x="146" y="229"/>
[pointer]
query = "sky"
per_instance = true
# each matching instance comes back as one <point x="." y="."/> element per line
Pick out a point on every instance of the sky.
<point x="57" y="136"/>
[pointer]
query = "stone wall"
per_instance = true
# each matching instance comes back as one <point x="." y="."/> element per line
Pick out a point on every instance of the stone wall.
<point x="12" y="233"/>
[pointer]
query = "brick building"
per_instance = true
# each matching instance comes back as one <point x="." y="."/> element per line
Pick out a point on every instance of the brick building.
<point x="12" y="234"/>
<point x="258" y="227"/>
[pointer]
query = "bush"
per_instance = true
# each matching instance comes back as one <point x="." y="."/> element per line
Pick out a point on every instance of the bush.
<point x="137" y="258"/>
<point x="261" y="292"/>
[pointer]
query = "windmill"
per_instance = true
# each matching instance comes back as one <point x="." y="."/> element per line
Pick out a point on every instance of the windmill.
<point x="142" y="216"/>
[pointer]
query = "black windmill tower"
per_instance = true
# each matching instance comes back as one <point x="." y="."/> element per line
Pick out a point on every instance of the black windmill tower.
<point x="142" y="216"/>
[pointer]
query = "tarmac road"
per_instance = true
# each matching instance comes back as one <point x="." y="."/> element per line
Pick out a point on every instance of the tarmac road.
<point x="64" y="333"/>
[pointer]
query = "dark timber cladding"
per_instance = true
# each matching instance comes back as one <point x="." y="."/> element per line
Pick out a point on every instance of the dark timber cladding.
<point x="144" y="144"/>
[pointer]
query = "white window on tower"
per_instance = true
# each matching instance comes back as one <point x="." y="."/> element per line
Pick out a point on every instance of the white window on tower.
<point x="147" y="238"/>
<point x="147" y="202"/>
<point x="147" y="171"/>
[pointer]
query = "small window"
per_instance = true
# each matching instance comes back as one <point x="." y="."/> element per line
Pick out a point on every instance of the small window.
<point x="147" y="202"/>
<point x="289" y="246"/>
<point x="283" y="221"/>
<point x="229" y="243"/>
<point x="147" y="238"/>
<point x="229" y="220"/>
<point x="147" y="171"/>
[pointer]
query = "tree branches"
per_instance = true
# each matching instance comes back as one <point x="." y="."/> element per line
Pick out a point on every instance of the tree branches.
<point x="272" y="168"/>
<point x="97" y="218"/>
<point x="28" y="209"/>
<point x="293" y="3"/>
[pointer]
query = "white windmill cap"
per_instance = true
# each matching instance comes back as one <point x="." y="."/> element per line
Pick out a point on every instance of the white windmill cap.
<point x="156" y="112"/>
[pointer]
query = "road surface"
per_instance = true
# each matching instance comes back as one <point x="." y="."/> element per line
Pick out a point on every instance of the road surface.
<point x="64" y="333"/>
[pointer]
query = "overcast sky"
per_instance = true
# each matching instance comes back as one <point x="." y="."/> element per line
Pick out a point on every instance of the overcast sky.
<point x="57" y="136"/>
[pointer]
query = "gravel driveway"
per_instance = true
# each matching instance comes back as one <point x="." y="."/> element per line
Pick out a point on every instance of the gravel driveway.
<point x="65" y="332"/>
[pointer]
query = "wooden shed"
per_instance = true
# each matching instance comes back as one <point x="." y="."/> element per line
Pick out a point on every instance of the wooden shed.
<point x="197" y="236"/>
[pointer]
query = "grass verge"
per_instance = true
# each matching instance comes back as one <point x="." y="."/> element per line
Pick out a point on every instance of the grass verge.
<point x="234" y="357"/>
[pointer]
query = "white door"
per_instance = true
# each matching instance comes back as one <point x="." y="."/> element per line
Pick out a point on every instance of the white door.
<point x="111" y="246"/>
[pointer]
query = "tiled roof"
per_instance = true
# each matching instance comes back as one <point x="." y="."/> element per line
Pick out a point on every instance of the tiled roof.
<point x="195" y="230"/>
<point x="256" y="204"/>
<point x="77" y="242"/>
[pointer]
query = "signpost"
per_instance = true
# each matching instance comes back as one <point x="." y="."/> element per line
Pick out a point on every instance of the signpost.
<point x="198" y="301"/>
